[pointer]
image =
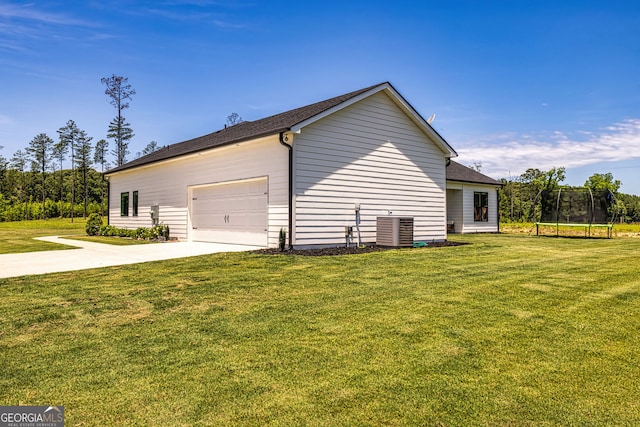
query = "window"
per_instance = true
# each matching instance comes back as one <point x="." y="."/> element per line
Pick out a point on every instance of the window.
<point x="135" y="203"/>
<point x="481" y="206"/>
<point x="124" y="204"/>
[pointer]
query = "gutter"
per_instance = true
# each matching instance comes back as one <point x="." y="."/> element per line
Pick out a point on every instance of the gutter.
<point x="290" y="148"/>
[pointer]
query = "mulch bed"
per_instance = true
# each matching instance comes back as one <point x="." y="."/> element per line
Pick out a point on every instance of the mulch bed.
<point x="343" y="250"/>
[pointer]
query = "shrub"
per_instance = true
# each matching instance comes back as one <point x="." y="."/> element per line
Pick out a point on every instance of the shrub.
<point x="142" y="233"/>
<point x="282" y="239"/>
<point x="158" y="232"/>
<point x="94" y="224"/>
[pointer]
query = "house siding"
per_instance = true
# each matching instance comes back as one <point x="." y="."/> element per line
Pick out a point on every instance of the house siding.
<point x="167" y="184"/>
<point x="455" y="211"/>
<point x="467" y="223"/>
<point x="373" y="155"/>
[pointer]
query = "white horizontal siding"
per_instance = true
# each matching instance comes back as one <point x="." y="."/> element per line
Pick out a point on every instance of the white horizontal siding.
<point x="370" y="154"/>
<point x="471" y="226"/>
<point x="166" y="184"/>
<point x="455" y="210"/>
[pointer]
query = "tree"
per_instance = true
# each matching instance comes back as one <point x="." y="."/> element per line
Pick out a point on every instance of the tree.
<point x="234" y="119"/>
<point x="150" y="148"/>
<point x="100" y="158"/>
<point x="476" y="166"/>
<point x="59" y="153"/>
<point x="19" y="163"/>
<point x="3" y="170"/>
<point x="605" y="181"/>
<point x="119" y="91"/>
<point x="120" y="130"/>
<point x="83" y="154"/>
<point x="68" y="138"/>
<point x="40" y="152"/>
<point x="519" y="197"/>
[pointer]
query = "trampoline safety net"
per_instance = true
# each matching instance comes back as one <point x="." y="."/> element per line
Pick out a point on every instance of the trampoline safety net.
<point x="576" y="206"/>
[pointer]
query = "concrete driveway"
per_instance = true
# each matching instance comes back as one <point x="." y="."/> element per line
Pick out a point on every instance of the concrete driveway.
<point x="93" y="255"/>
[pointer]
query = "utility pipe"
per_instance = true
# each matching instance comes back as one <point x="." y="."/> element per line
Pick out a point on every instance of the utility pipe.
<point x="290" y="148"/>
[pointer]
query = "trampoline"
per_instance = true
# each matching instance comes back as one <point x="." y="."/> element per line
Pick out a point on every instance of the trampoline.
<point x="578" y="207"/>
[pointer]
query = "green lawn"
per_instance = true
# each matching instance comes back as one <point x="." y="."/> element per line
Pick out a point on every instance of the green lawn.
<point x="509" y="330"/>
<point x="17" y="237"/>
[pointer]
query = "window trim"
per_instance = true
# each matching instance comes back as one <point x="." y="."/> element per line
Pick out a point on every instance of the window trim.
<point x="135" y="203"/>
<point x="480" y="206"/>
<point x="124" y="203"/>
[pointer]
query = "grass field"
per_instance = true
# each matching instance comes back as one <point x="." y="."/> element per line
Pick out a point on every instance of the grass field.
<point x="508" y="330"/>
<point x="17" y="237"/>
<point x="619" y="230"/>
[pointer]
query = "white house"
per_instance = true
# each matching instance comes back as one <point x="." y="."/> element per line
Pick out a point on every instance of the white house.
<point x="472" y="201"/>
<point x="311" y="171"/>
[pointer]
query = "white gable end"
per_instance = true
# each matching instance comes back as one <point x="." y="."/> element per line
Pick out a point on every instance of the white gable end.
<point x="369" y="154"/>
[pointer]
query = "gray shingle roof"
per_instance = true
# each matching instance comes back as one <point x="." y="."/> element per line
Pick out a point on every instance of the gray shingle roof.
<point x="458" y="172"/>
<point x="243" y="131"/>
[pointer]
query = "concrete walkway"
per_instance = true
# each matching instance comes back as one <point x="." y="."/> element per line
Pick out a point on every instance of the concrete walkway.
<point x="93" y="255"/>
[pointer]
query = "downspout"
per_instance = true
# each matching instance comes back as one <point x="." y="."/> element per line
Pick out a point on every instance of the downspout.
<point x="498" y="207"/>
<point x="290" y="148"/>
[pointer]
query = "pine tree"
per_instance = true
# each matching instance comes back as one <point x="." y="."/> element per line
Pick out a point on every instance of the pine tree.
<point x="68" y="137"/>
<point x="19" y="163"/>
<point x="40" y="152"/>
<point x="119" y="91"/>
<point x="83" y="154"/>
<point x="100" y="158"/>
<point x="120" y="130"/>
<point x="59" y="153"/>
<point x="3" y="169"/>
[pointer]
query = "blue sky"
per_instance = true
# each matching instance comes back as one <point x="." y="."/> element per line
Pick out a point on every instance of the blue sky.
<point x="514" y="84"/>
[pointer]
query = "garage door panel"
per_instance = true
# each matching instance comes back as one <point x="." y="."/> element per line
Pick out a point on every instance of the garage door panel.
<point x="234" y="212"/>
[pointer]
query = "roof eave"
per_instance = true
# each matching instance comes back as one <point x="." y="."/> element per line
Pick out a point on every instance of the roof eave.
<point x="463" y="181"/>
<point x="129" y="166"/>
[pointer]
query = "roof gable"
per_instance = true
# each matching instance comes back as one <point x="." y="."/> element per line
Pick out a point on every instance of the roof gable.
<point x="292" y="120"/>
<point x="458" y="172"/>
<point x="398" y="100"/>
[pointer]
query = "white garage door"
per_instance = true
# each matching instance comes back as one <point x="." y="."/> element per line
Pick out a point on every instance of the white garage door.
<point x="230" y="212"/>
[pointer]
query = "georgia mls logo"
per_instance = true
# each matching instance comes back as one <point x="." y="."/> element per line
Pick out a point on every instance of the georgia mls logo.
<point x="31" y="416"/>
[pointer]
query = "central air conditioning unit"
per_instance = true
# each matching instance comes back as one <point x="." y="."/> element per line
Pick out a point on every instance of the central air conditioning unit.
<point x="394" y="231"/>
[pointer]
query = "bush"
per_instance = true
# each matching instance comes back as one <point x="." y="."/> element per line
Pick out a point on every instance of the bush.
<point x="158" y="232"/>
<point x="282" y="239"/>
<point x="94" y="224"/>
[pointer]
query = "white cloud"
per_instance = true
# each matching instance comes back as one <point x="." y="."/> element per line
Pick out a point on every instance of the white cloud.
<point x="228" y="25"/>
<point x="32" y="14"/>
<point x="510" y="154"/>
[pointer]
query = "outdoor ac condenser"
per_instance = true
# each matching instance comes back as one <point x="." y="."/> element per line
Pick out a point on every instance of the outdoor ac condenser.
<point x="394" y="231"/>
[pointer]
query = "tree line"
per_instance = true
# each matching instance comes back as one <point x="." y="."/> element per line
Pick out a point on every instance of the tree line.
<point x="519" y="198"/>
<point x="34" y="183"/>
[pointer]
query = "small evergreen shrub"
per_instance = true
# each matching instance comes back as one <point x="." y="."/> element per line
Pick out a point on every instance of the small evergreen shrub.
<point x="282" y="239"/>
<point x="94" y="224"/>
